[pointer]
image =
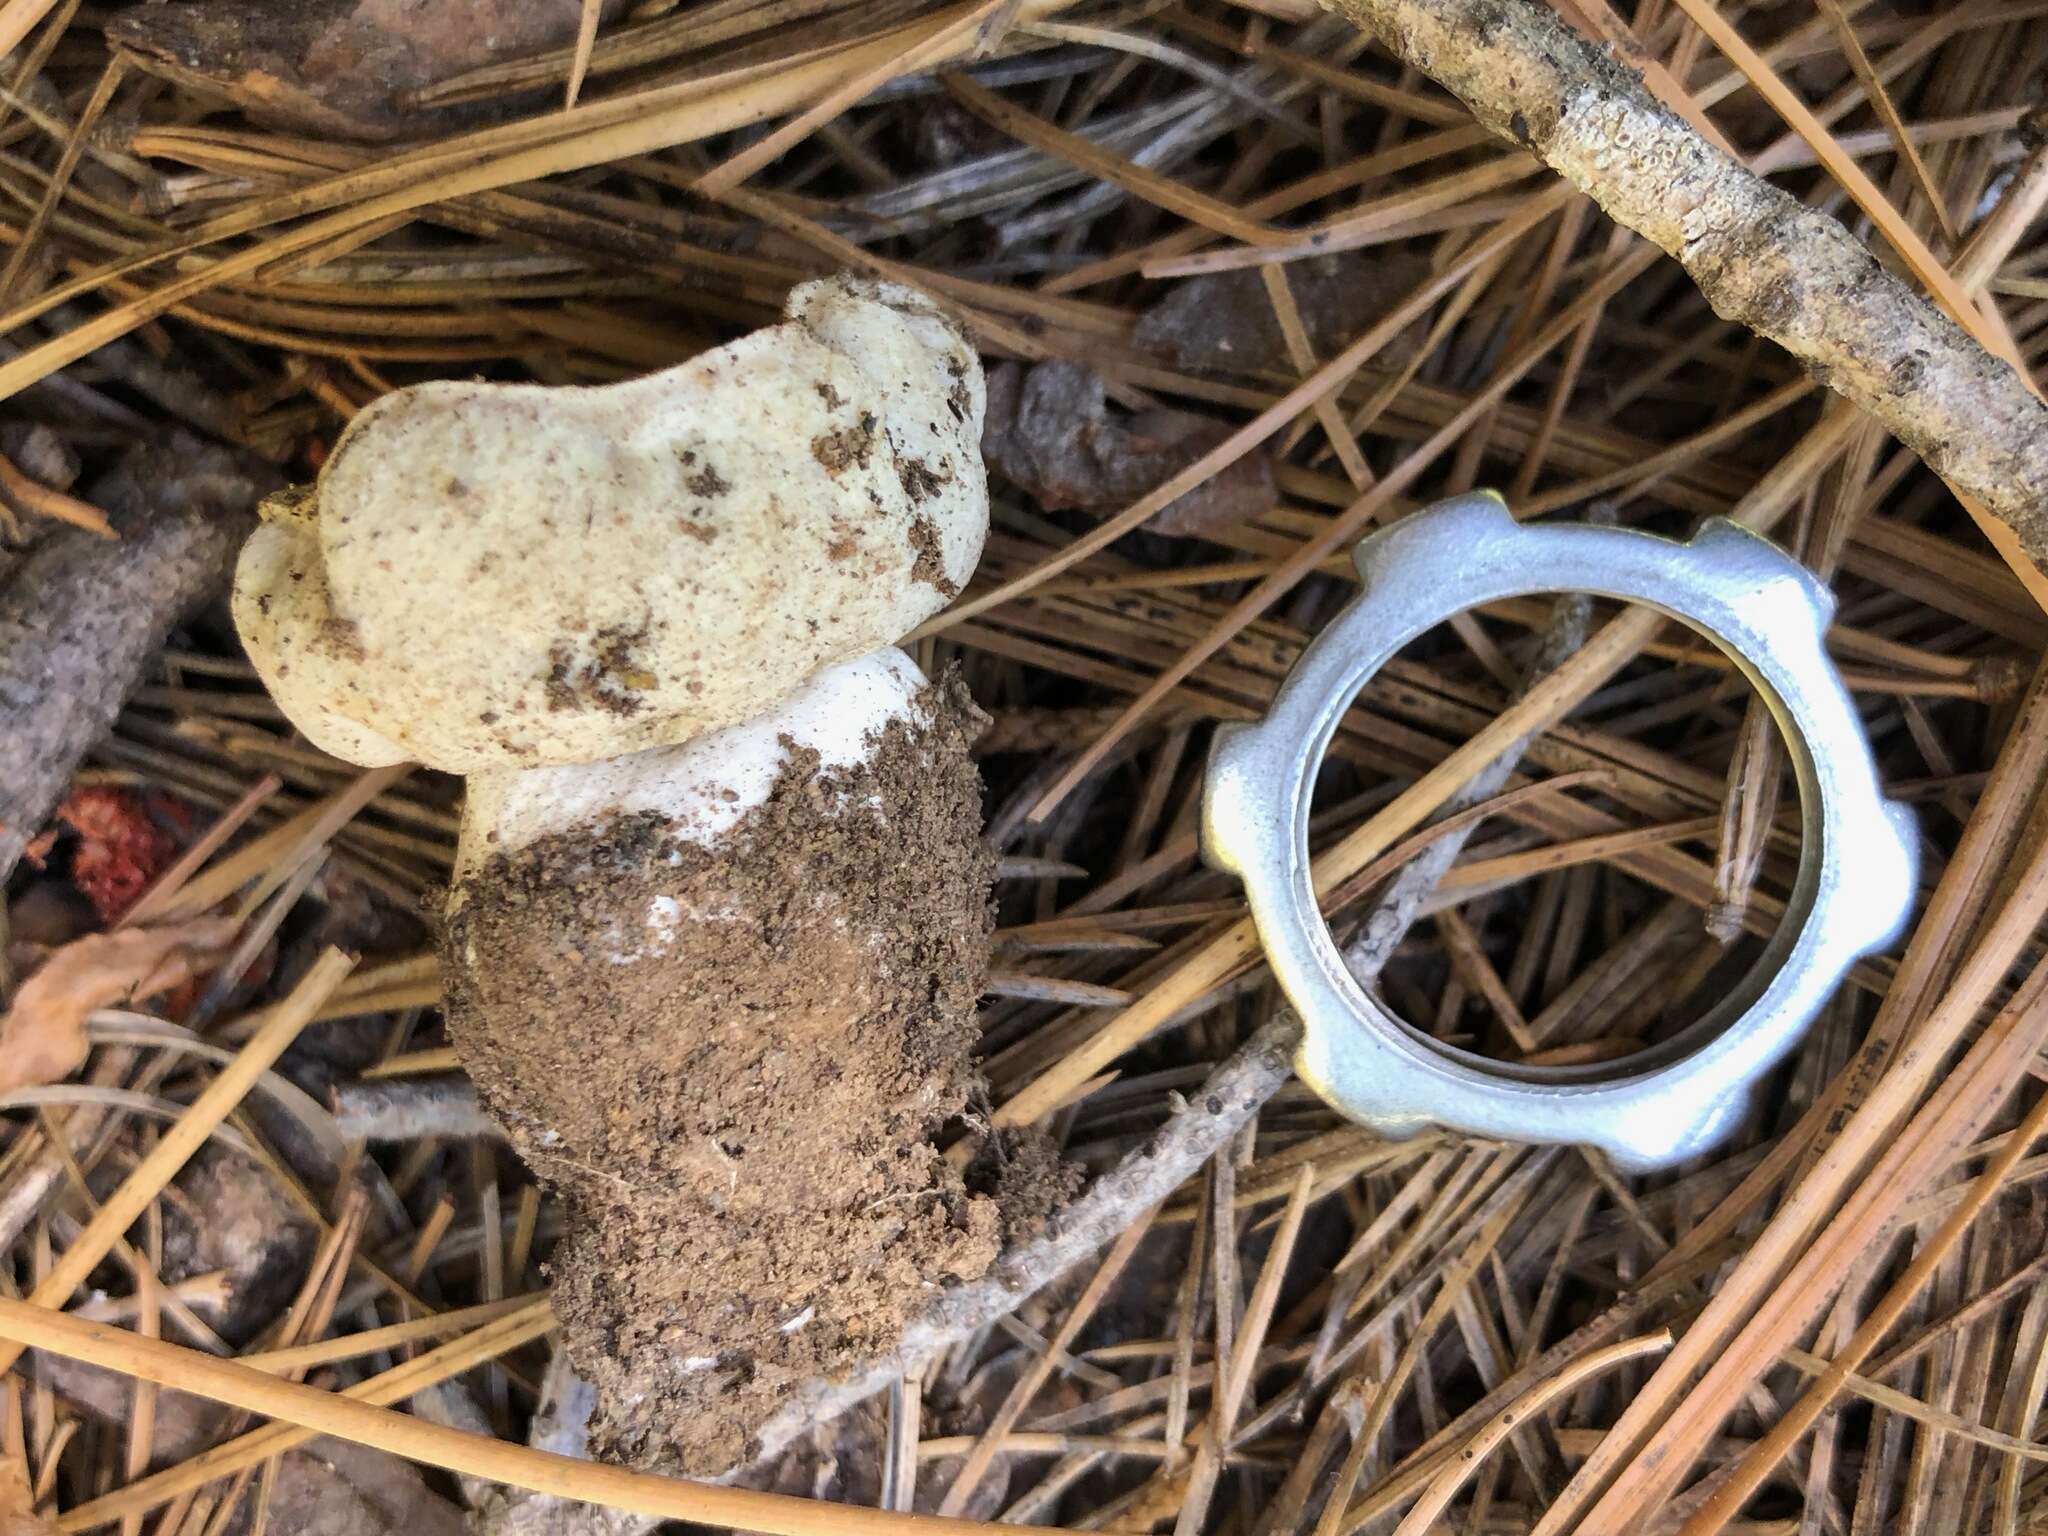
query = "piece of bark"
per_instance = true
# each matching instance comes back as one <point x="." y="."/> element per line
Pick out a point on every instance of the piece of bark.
<point x="82" y="616"/>
<point x="1758" y="254"/>
<point x="1049" y="431"/>
<point x="1225" y="321"/>
<point x="340" y="68"/>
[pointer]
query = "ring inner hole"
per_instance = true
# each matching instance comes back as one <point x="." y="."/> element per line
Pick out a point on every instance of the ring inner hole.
<point x="1546" y="950"/>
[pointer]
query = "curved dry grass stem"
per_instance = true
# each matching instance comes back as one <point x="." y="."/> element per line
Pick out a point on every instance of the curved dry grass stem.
<point x="287" y="1402"/>
<point x="1423" y="1515"/>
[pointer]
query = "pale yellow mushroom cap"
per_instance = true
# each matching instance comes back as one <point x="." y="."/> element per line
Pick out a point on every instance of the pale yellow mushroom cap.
<point x="511" y="575"/>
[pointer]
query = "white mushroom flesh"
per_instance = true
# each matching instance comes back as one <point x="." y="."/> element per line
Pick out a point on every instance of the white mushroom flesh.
<point x="702" y="788"/>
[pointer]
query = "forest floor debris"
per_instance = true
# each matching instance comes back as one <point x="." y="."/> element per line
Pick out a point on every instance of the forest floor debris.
<point x="1254" y="275"/>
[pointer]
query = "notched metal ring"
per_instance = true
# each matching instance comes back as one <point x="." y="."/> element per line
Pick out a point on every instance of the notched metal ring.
<point x="1854" y="888"/>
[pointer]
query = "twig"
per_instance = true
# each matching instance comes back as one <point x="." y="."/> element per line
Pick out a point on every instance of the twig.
<point x="409" y="1110"/>
<point x="1759" y="255"/>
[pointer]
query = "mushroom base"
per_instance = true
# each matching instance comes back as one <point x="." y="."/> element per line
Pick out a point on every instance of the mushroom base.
<point x="732" y="1061"/>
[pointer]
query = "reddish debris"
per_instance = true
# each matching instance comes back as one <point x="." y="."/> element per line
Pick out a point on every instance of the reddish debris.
<point x="121" y="849"/>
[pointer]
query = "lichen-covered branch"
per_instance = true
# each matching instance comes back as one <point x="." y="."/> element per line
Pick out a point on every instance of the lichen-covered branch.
<point x="1758" y="254"/>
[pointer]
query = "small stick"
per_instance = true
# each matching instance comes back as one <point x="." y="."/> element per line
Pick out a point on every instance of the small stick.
<point x="17" y="19"/>
<point x="1971" y="415"/>
<point x="33" y="496"/>
<point x="265" y="857"/>
<point x="939" y="41"/>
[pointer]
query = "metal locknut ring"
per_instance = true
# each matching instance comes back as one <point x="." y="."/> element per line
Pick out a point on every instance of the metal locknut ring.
<point x="1857" y="864"/>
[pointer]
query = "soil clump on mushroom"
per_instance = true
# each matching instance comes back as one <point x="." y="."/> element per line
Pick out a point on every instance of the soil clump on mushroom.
<point x="738" y="1092"/>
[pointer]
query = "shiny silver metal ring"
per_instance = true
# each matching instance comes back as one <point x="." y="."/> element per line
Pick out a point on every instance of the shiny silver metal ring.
<point x="1650" y="1110"/>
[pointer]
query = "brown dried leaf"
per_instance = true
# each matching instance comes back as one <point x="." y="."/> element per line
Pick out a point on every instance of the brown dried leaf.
<point x="1050" y="431"/>
<point x="42" y="1037"/>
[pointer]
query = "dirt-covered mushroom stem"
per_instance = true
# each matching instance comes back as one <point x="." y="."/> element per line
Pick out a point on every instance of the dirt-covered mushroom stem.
<point x="722" y="997"/>
<point x="719" y="917"/>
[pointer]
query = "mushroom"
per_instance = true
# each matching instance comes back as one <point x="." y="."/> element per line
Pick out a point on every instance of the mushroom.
<point x="512" y="575"/>
<point x="719" y="916"/>
<point x="721" y="995"/>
